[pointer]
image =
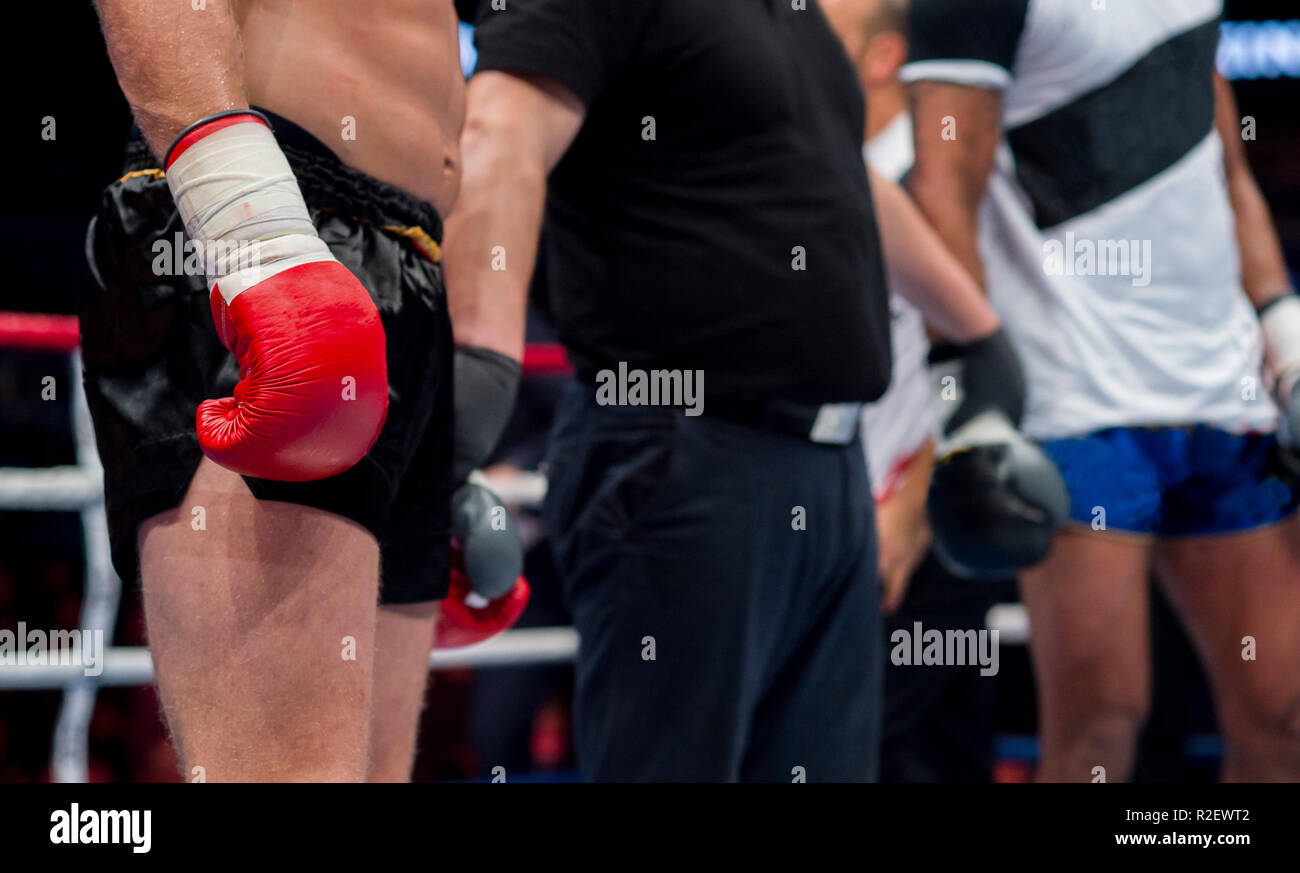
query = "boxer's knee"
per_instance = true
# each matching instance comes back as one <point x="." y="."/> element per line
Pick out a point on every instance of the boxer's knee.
<point x="1096" y="744"/>
<point x="1268" y="717"/>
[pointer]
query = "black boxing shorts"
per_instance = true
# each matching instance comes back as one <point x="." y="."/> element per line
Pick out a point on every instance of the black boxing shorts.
<point x="151" y="355"/>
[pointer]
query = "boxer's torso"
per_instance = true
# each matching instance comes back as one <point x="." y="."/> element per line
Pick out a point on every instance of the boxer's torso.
<point x="379" y="83"/>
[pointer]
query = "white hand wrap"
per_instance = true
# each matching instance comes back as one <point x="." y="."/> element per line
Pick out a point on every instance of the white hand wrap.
<point x="241" y="205"/>
<point x="1281" y="325"/>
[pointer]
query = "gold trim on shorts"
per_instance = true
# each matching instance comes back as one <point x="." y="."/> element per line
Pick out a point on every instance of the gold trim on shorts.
<point x="418" y="236"/>
<point x="154" y="173"/>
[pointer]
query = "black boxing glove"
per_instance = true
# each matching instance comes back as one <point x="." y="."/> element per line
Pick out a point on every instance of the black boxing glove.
<point x="974" y="377"/>
<point x="995" y="499"/>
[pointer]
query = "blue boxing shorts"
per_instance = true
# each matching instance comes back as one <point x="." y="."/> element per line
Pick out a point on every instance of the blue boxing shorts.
<point x="1175" y="481"/>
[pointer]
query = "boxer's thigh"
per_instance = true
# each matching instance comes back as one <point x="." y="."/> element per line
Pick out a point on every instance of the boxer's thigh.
<point x="1239" y="596"/>
<point x="1230" y="567"/>
<point x="1089" y="619"/>
<point x="1088" y="602"/>
<point x="261" y="622"/>
<point x="403" y="639"/>
<point x="1089" y="608"/>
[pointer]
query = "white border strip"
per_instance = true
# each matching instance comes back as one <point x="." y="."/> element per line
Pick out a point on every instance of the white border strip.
<point x="977" y="74"/>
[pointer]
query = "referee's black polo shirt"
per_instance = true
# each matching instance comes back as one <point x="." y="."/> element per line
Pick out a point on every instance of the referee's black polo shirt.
<point x="721" y="150"/>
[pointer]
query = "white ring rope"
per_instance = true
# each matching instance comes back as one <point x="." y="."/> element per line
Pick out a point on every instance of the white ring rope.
<point x="522" y="489"/>
<point x="48" y="489"/>
<point x="133" y="665"/>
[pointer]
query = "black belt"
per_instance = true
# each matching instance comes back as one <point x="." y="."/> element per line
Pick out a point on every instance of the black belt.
<point x="829" y="423"/>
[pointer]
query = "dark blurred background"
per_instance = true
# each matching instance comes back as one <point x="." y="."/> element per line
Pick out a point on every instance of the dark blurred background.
<point x="58" y="69"/>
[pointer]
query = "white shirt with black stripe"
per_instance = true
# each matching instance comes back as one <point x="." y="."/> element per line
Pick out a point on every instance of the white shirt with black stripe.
<point x="1107" y="235"/>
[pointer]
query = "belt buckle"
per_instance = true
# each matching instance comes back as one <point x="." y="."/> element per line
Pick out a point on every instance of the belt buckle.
<point x="835" y="423"/>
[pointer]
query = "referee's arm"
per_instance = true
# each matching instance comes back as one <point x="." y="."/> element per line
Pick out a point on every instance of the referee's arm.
<point x="516" y="130"/>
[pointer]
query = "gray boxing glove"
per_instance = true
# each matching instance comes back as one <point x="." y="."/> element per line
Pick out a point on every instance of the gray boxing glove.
<point x="486" y="533"/>
<point x="485" y="387"/>
<point x="995" y="500"/>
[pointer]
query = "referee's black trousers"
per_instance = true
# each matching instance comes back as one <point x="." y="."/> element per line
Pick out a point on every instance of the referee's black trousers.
<point x="723" y="582"/>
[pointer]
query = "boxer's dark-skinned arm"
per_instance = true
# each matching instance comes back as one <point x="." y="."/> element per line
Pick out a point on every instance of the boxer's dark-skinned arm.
<point x="933" y="280"/>
<point x="948" y="181"/>
<point x="174" y="63"/>
<point x="516" y="130"/>
<point x="1263" y="267"/>
<point x="950" y="176"/>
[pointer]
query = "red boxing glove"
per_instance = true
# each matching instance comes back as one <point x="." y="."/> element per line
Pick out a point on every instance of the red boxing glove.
<point x="313" y="389"/>
<point x="313" y="392"/>
<point x="464" y="618"/>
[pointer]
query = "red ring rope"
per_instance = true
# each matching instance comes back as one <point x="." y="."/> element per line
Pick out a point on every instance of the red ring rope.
<point x="38" y="332"/>
<point x="59" y="333"/>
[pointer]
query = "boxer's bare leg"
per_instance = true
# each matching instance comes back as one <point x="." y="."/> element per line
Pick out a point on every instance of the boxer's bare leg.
<point x="261" y="619"/>
<point x="1240" y="598"/>
<point x="404" y="638"/>
<point x="1089" y="632"/>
